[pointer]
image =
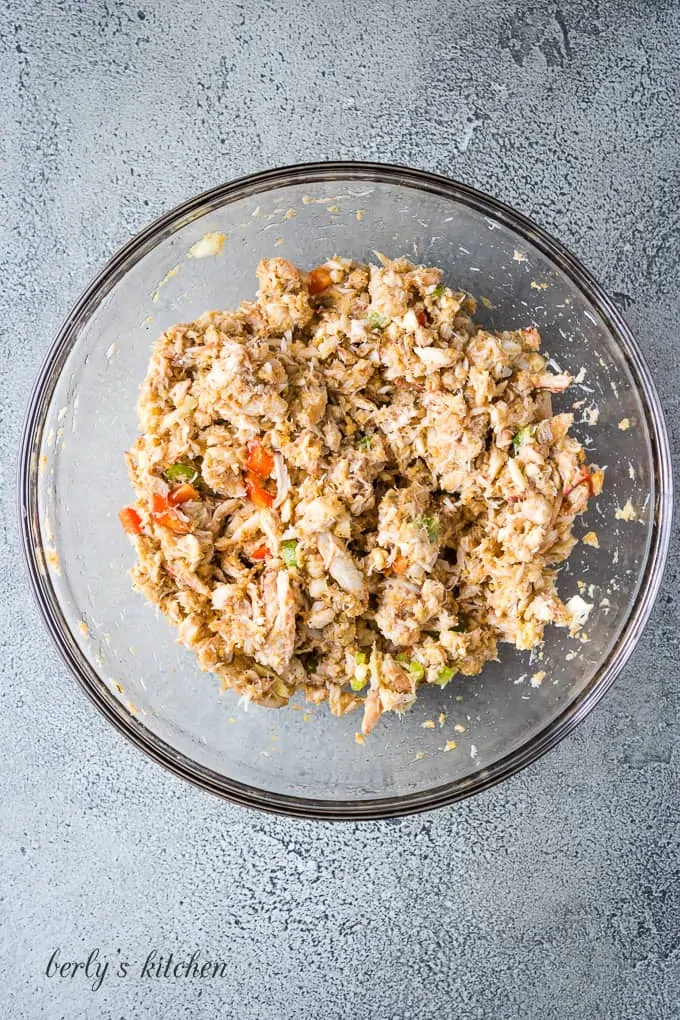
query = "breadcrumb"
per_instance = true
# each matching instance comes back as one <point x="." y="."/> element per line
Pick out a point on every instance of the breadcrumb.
<point x="626" y="513"/>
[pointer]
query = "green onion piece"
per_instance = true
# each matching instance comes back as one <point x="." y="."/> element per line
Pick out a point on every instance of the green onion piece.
<point x="521" y="437"/>
<point x="415" y="668"/>
<point x="289" y="552"/>
<point x="431" y="525"/>
<point x="180" y="473"/>
<point x="310" y="662"/>
<point x="361" y="658"/>
<point x="375" y="320"/>
<point x="364" y="441"/>
<point x="439" y="291"/>
<point x="356" y="684"/>
<point x="444" y="675"/>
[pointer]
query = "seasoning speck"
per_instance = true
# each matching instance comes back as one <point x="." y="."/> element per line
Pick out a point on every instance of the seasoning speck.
<point x="442" y="718"/>
<point x="428" y="724"/>
<point x="624" y="424"/>
<point x="458" y="728"/>
<point x="590" y="538"/>
<point x="359" y="738"/>
<point x="360" y="214"/>
<point x="450" y="745"/>
<point x="538" y="678"/>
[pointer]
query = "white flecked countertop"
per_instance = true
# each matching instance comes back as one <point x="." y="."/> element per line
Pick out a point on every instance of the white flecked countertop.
<point x="554" y="896"/>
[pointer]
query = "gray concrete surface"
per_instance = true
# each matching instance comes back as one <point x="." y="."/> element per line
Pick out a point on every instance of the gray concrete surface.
<point x="553" y="896"/>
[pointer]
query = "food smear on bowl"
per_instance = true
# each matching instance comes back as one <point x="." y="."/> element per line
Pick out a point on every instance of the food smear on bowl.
<point x="209" y="245"/>
<point x="348" y="488"/>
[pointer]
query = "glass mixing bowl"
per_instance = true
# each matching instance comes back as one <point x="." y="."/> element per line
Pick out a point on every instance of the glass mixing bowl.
<point x="301" y="760"/>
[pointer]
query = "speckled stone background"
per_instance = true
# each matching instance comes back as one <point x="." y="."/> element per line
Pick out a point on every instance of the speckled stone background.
<point x="553" y="896"/>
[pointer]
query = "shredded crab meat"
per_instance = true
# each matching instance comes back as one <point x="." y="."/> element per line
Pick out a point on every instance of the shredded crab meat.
<point x="348" y="488"/>
<point x="282" y="478"/>
<point x="340" y="565"/>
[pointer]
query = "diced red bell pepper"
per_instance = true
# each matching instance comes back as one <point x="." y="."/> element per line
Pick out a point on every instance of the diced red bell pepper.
<point x="159" y="504"/>
<point x="167" y="516"/>
<point x="261" y="553"/>
<point x="259" y="461"/>
<point x="131" y="521"/>
<point x="256" y="494"/>
<point x="182" y="494"/>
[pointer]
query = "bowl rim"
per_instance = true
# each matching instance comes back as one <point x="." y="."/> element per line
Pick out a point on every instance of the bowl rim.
<point x="648" y="582"/>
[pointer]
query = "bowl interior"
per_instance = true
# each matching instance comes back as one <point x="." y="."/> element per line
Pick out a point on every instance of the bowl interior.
<point x="86" y="419"/>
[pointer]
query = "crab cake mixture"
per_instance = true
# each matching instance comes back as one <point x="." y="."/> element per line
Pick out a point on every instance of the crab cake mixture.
<point x="349" y="488"/>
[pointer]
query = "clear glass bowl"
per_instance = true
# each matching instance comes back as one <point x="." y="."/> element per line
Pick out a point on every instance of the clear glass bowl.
<point x="302" y="761"/>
